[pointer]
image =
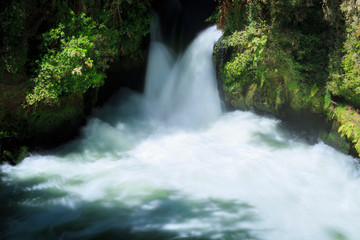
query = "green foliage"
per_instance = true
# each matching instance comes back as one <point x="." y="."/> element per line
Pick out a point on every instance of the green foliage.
<point x="349" y="120"/>
<point x="235" y="15"/>
<point x="62" y="52"/>
<point x="44" y="119"/>
<point x="287" y="13"/>
<point x="283" y="47"/>
<point x="303" y="33"/>
<point x="314" y="90"/>
<point x="327" y="100"/>
<point x="295" y="27"/>
<point x="261" y="69"/>
<point x="346" y="83"/>
<point x="332" y="13"/>
<point x="349" y="84"/>
<point x="245" y="65"/>
<point x="79" y="51"/>
<point x="231" y="16"/>
<point x="13" y="40"/>
<point x="131" y="20"/>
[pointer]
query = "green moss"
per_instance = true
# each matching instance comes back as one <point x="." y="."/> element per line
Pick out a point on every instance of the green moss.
<point x="26" y="128"/>
<point x="15" y="156"/>
<point x="44" y="120"/>
<point x="335" y="140"/>
<point x="249" y="98"/>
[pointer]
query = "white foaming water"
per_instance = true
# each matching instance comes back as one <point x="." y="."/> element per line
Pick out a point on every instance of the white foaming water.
<point x="239" y="177"/>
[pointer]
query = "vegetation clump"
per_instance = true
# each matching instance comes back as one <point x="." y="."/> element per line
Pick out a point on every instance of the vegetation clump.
<point x="270" y="51"/>
<point x="54" y="55"/>
<point x="79" y="50"/>
<point x="349" y="120"/>
<point x="301" y="55"/>
<point x="78" y="53"/>
<point x="345" y="82"/>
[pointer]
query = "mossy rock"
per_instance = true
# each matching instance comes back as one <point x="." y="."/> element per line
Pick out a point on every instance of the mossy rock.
<point x="50" y="125"/>
<point x="14" y="156"/>
<point x="334" y="139"/>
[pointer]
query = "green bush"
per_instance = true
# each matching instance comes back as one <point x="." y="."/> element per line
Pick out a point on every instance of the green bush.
<point x="79" y="52"/>
<point x="349" y="124"/>
<point x="235" y="15"/>
<point x="346" y="82"/>
<point x="246" y="65"/>
<point x="131" y="20"/>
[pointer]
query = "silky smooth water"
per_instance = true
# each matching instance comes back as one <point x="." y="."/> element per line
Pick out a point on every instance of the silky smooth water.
<point x="181" y="90"/>
<point x="186" y="172"/>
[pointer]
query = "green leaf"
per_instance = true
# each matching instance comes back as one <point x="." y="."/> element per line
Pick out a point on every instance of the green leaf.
<point x="314" y="90"/>
<point x="327" y="100"/>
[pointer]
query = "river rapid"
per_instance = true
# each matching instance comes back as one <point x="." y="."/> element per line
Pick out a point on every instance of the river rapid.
<point x="169" y="164"/>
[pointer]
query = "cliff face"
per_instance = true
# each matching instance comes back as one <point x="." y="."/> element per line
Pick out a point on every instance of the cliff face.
<point x="291" y="64"/>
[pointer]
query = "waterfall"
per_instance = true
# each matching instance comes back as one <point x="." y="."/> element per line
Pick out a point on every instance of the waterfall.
<point x="182" y="89"/>
<point x="148" y="175"/>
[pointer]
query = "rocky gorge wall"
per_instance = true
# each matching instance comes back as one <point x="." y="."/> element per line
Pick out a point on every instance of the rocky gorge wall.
<point x="291" y="64"/>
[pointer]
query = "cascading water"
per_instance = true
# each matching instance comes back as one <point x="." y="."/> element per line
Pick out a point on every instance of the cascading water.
<point x="238" y="176"/>
<point x="183" y="90"/>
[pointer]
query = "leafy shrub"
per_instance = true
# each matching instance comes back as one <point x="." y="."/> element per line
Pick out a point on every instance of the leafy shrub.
<point x="80" y="48"/>
<point x="79" y="51"/>
<point x="246" y="66"/>
<point x="346" y="83"/>
<point x="349" y="120"/>
<point x="131" y="20"/>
